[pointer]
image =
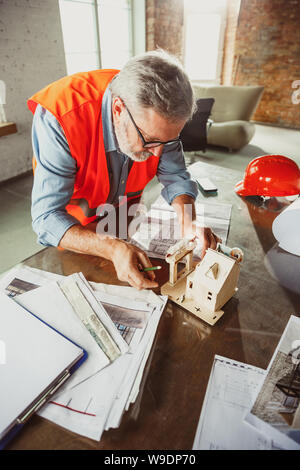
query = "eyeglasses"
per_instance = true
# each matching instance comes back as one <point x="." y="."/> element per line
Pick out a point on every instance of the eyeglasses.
<point x="155" y="143"/>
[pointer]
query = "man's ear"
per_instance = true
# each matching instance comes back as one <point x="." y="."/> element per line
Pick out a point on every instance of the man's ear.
<point x="117" y="108"/>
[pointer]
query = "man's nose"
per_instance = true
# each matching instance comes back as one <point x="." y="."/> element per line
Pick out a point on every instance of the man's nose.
<point x="157" y="151"/>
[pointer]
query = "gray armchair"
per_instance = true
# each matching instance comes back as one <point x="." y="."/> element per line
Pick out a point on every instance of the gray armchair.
<point x="231" y="113"/>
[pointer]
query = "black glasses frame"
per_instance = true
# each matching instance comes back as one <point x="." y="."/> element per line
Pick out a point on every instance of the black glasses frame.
<point x="155" y="143"/>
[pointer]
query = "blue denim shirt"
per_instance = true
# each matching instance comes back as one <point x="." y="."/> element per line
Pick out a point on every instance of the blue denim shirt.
<point x="56" y="171"/>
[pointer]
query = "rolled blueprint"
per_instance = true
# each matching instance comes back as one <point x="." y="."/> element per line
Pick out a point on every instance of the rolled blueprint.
<point x="89" y="318"/>
<point x="286" y="228"/>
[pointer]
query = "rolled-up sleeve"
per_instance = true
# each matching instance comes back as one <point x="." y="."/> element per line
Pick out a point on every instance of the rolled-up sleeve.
<point x="173" y="175"/>
<point x="54" y="179"/>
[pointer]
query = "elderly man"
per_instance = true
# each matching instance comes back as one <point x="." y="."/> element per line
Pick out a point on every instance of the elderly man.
<point x="101" y="135"/>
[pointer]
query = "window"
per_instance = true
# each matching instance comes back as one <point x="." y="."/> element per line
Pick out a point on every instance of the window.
<point x="204" y="27"/>
<point x="115" y="32"/>
<point x="79" y="27"/>
<point x="100" y="33"/>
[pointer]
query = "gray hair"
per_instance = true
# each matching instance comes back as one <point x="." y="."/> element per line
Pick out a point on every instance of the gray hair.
<point x="155" y="80"/>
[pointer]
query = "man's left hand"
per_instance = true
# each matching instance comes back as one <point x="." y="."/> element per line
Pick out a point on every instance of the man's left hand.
<point x="206" y="236"/>
<point x="184" y="206"/>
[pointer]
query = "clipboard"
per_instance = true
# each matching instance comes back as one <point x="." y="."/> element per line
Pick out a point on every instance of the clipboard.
<point x="35" y="361"/>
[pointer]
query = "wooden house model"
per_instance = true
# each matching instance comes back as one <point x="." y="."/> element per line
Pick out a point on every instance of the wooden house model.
<point x="205" y="288"/>
<point x="213" y="282"/>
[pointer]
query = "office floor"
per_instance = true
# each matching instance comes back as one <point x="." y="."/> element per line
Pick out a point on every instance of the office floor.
<point x="18" y="241"/>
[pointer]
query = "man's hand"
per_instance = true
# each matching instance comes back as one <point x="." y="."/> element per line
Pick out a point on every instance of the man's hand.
<point x="128" y="261"/>
<point x="184" y="206"/>
<point x="207" y="238"/>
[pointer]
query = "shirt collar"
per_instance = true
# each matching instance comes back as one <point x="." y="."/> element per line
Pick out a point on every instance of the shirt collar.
<point x="109" y="136"/>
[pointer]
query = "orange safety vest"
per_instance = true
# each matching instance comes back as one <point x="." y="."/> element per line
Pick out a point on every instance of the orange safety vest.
<point x="76" y="101"/>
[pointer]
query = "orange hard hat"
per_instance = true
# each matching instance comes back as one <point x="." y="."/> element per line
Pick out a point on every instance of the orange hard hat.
<point x="270" y="175"/>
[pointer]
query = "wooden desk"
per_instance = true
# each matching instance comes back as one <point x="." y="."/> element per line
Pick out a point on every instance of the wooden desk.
<point x="166" y="412"/>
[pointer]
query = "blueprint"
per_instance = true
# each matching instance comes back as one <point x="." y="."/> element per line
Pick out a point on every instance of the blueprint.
<point x="159" y="228"/>
<point x="230" y="392"/>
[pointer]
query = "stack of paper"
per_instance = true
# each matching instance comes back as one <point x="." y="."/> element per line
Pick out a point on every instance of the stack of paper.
<point x="159" y="228"/>
<point x="115" y="325"/>
<point x="273" y="421"/>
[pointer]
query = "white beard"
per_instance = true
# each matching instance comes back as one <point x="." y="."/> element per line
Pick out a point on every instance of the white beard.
<point x="139" y="156"/>
<point x="125" y="147"/>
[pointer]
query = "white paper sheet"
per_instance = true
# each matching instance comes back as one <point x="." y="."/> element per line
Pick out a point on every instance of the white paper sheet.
<point x="50" y="304"/>
<point x="21" y="279"/>
<point x="99" y="401"/>
<point x="85" y="411"/>
<point x="36" y="355"/>
<point x="286" y="228"/>
<point x="231" y="389"/>
<point x="130" y="385"/>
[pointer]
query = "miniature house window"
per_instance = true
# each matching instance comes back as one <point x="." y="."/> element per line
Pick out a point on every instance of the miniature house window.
<point x="190" y="284"/>
<point x="213" y="271"/>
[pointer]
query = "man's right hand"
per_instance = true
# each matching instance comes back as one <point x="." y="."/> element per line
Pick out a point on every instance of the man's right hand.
<point x="129" y="261"/>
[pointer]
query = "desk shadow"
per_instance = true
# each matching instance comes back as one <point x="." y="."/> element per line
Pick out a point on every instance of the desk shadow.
<point x="249" y="150"/>
<point x="263" y="212"/>
<point x="284" y="267"/>
<point x="222" y="156"/>
<point x="281" y="265"/>
<point x="252" y="151"/>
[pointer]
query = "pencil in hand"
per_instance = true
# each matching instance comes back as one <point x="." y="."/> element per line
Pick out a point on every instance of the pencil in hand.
<point x="152" y="268"/>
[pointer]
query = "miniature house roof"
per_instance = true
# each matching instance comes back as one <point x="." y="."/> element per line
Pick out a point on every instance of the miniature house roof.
<point x="214" y="269"/>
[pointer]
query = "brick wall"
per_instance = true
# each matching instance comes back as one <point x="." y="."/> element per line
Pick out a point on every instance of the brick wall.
<point x="262" y="47"/>
<point x="267" y="52"/>
<point x="164" y="26"/>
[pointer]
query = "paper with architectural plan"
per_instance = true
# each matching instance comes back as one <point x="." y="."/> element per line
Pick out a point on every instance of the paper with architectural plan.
<point x="286" y="228"/>
<point x="21" y="279"/>
<point x="276" y="411"/>
<point x="99" y="402"/>
<point x="130" y="317"/>
<point x="100" y="399"/>
<point x="159" y="229"/>
<point x="231" y="390"/>
<point x="92" y="315"/>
